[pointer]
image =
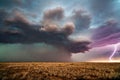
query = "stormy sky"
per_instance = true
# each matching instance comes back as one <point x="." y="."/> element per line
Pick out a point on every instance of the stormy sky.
<point x="59" y="30"/>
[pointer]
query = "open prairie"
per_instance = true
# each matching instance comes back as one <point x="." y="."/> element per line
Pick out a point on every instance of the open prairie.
<point x="59" y="71"/>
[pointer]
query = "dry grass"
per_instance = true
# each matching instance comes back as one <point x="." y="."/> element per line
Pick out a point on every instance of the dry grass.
<point x="59" y="71"/>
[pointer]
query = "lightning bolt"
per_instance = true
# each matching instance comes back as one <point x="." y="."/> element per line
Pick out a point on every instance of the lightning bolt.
<point x="115" y="50"/>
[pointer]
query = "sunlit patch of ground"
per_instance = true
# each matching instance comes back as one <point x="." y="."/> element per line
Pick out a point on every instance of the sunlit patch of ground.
<point x="114" y="60"/>
<point x="111" y="61"/>
<point x="59" y="71"/>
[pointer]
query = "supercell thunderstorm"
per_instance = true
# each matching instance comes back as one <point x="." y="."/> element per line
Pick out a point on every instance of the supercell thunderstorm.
<point x="37" y="30"/>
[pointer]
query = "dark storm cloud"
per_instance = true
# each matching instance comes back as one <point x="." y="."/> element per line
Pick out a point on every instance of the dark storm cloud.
<point x="106" y="34"/>
<point x="21" y="30"/>
<point x="8" y="4"/>
<point x="5" y="3"/>
<point x="26" y="5"/>
<point x="3" y="15"/>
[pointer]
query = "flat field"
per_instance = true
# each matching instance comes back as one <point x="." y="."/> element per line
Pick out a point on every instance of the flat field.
<point x="59" y="71"/>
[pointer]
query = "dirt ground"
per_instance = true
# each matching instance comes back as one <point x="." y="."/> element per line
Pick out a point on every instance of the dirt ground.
<point x="59" y="71"/>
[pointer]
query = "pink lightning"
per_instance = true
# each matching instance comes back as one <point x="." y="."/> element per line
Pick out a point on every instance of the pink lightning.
<point x="115" y="49"/>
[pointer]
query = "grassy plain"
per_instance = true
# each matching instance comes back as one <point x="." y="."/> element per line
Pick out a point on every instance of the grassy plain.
<point x="59" y="71"/>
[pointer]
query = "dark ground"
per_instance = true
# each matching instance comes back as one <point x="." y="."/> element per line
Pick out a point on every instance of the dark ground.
<point x="59" y="71"/>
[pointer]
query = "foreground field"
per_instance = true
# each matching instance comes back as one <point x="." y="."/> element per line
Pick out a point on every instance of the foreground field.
<point x="59" y="71"/>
